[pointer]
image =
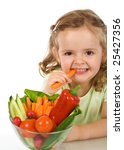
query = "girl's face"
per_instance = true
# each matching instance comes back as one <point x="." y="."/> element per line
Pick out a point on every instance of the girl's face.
<point x="80" y="49"/>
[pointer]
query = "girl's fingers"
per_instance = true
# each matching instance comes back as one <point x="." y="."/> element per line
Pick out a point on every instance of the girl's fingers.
<point x="59" y="80"/>
<point x="59" y="77"/>
<point x="64" y="78"/>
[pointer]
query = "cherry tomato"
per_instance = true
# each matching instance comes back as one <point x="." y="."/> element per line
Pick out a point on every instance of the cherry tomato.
<point x="44" y="124"/>
<point x="17" y="121"/>
<point x="28" y="125"/>
<point x="31" y="114"/>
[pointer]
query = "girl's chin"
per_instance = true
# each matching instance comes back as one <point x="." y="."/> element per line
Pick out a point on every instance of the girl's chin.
<point x="80" y="80"/>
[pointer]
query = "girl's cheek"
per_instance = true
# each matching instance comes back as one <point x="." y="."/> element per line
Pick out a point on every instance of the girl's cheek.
<point x="65" y="66"/>
<point x="66" y="63"/>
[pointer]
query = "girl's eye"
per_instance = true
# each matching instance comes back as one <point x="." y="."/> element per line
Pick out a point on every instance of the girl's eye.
<point x="67" y="53"/>
<point x="89" y="52"/>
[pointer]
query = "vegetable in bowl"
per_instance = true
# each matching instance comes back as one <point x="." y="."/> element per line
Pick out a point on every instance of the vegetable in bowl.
<point x="40" y="118"/>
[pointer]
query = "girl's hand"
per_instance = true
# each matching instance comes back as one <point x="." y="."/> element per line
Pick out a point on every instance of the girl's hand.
<point x="56" y="76"/>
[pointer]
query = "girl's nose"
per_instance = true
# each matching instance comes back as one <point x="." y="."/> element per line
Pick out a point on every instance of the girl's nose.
<point x="79" y="60"/>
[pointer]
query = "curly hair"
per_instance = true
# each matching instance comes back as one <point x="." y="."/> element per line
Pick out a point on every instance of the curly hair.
<point x="76" y="19"/>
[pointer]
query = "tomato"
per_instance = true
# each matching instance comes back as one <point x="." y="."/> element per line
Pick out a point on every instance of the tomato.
<point x="31" y="114"/>
<point x="28" y="125"/>
<point x="44" y="124"/>
<point x="17" y="121"/>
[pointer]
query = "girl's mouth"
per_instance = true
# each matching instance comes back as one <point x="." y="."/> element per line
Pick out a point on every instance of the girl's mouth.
<point x="81" y="70"/>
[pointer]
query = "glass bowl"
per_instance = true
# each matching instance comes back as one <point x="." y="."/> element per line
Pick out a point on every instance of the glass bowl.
<point x="41" y="141"/>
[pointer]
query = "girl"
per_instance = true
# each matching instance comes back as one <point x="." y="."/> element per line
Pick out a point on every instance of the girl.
<point x="78" y="41"/>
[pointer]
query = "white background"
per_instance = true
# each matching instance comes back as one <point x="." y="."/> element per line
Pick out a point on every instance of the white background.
<point x="24" y="33"/>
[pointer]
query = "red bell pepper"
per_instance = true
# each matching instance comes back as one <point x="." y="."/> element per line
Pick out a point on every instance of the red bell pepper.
<point x="67" y="101"/>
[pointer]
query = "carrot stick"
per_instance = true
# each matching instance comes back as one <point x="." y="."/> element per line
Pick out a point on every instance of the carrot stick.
<point x="34" y="106"/>
<point x="29" y="103"/>
<point x="71" y="73"/>
<point x="58" y="84"/>
<point x="54" y="103"/>
<point x="39" y="110"/>
<point x="50" y="103"/>
<point x="48" y="110"/>
<point x="45" y="99"/>
<point x="25" y="107"/>
<point x="45" y="105"/>
<point x="39" y="100"/>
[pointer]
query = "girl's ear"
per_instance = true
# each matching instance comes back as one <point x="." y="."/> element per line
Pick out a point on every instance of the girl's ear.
<point x="55" y="54"/>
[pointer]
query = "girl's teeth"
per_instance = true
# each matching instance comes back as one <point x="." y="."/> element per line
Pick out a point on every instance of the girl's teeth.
<point x="81" y="70"/>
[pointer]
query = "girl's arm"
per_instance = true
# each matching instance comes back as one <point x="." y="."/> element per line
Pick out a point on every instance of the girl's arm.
<point x="95" y="129"/>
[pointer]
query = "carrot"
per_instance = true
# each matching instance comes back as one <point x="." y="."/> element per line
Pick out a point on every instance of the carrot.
<point x="50" y="103"/>
<point x="34" y="106"/>
<point x="39" y="100"/>
<point x="25" y="107"/>
<point x="29" y="103"/>
<point x="58" y="84"/>
<point x="71" y="73"/>
<point x="45" y="105"/>
<point x="48" y="110"/>
<point x="39" y="110"/>
<point x="54" y="103"/>
<point x="45" y="99"/>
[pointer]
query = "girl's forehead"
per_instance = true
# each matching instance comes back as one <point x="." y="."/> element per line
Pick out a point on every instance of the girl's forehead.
<point x="76" y="32"/>
<point x="77" y="37"/>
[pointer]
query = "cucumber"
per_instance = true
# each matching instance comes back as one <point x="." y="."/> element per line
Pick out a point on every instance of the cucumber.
<point x="19" y="103"/>
<point x="14" y="109"/>
<point x="11" y="112"/>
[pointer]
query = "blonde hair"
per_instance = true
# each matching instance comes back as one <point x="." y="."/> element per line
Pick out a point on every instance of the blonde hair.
<point x="76" y="19"/>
